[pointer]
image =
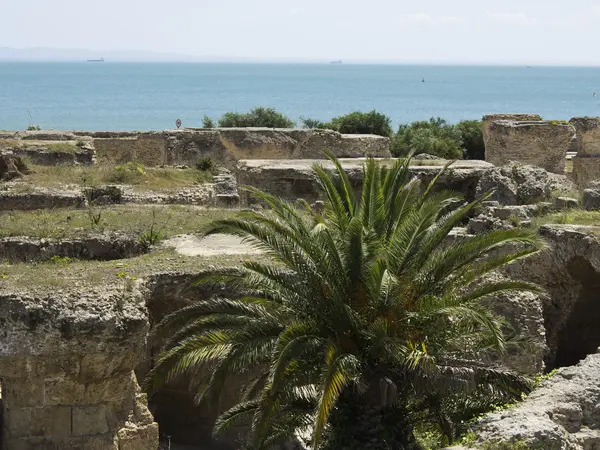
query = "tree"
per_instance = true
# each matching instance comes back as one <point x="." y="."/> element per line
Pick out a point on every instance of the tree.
<point x="258" y="117"/>
<point x="434" y="136"/>
<point x="471" y="134"/>
<point x="362" y="123"/>
<point x="361" y="316"/>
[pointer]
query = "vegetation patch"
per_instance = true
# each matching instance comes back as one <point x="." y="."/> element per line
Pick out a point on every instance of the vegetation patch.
<point x="570" y="217"/>
<point x="131" y="219"/>
<point x="152" y="179"/>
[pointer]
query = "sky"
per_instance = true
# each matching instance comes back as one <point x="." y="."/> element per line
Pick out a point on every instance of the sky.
<point x="528" y="32"/>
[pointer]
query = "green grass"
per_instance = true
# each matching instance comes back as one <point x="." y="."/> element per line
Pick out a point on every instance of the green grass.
<point x="153" y="179"/>
<point x="82" y="275"/>
<point x="570" y="217"/>
<point x="131" y="219"/>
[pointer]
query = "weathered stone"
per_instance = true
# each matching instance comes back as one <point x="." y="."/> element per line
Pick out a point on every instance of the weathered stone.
<point x="114" y="389"/>
<point x="102" y="247"/>
<point x="41" y="156"/>
<point x="63" y="392"/>
<point x="588" y="135"/>
<point x="294" y="179"/>
<point x="89" y="420"/>
<point x="21" y="393"/>
<point x="533" y="185"/>
<point x="141" y="438"/>
<point x="569" y="272"/>
<point x="11" y="166"/>
<point x="49" y="421"/>
<point x="504" y="188"/>
<point x="566" y="203"/>
<point x="487" y="120"/>
<point x="40" y="199"/>
<point x="562" y="414"/>
<point x="591" y="199"/>
<point x="586" y="170"/>
<point x="104" y="195"/>
<point x="46" y="135"/>
<point x="543" y="143"/>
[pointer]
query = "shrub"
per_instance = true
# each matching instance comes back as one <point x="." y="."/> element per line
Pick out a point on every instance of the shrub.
<point x="205" y="164"/>
<point x="362" y="123"/>
<point x="34" y="128"/>
<point x="207" y="122"/>
<point x="471" y="135"/>
<point x="307" y="122"/>
<point x="435" y="137"/>
<point x="126" y="173"/>
<point x="258" y="117"/>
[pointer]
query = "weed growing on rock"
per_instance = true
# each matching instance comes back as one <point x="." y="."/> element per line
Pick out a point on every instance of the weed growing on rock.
<point x="205" y="163"/>
<point x="61" y="260"/>
<point x="34" y="128"/>
<point x="153" y="236"/>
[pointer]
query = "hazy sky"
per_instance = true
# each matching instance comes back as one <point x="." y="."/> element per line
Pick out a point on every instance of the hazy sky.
<point x="445" y="31"/>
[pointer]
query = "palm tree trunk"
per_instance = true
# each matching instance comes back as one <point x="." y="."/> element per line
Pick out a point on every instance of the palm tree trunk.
<point x="360" y="422"/>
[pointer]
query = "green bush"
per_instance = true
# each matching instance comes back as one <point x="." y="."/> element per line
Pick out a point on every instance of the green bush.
<point x="435" y="137"/>
<point x="471" y="135"/>
<point x="362" y="123"/>
<point x="258" y="117"/>
<point x="126" y="173"/>
<point x="205" y="163"/>
<point x="307" y="122"/>
<point x="207" y="122"/>
<point x="34" y="128"/>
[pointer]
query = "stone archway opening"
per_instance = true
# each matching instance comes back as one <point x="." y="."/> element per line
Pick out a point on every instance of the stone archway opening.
<point x="579" y="333"/>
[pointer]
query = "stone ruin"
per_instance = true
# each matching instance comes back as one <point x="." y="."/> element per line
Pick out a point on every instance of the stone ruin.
<point x="536" y="142"/>
<point x="67" y="361"/>
<point x="586" y="164"/>
<point x="66" y="371"/>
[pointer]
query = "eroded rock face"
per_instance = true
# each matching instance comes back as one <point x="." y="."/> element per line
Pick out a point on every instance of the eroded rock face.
<point x="562" y="414"/>
<point x="66" y="365"/>
<point x="586" y="165"/>
<point x="570" y="273"/>
<point x="11" y="166"/>
<point x="489" y="118"/>
<point x="539" y="143"/>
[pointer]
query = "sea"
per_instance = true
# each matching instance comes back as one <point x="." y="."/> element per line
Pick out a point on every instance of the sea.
<point x="152" y="96"/>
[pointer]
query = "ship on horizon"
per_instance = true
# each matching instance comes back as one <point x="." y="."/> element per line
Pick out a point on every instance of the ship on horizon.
<point x="339" y="61"/>
<point x="96" y="60"/>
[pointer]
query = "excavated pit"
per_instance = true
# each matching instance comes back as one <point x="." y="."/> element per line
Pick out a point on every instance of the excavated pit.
<point x="580" y="334"/>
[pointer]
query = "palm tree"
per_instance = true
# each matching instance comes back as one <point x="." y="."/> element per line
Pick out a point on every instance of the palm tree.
<point x="361" y="315"/>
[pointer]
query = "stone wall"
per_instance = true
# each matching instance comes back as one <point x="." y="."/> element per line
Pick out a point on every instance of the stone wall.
<point x="228" y="145"/>
<point x="586" y="164"/>
<point x="294" y="179"/>
<point x="539" y="143"/>
<point x="66" y="369"/>
<point x="489" y="118"/>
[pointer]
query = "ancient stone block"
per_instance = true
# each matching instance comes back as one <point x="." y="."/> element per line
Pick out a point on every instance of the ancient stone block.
<point x="588" y="135"/>
<point x="58" y="366"/>
<point x="543" y="144"/>
<point x="89" y="420"/>
<point x="566" y="203"/>
<point x="586" y="170"/>
<point x="46" y="421"/>
<point x="591" y="199"/>
<point x="102" y="365"/>
<point x="20" y="367"/>
<point x="114" y="389"/>
<point x="107" y="442"/>
<point x="26" y="392"/>
<point x="142" y="438"/>
<point x="64" y="392"/>
<point x="489" y="118"/>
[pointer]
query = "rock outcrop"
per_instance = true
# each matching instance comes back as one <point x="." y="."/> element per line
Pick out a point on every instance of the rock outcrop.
<point x="66" y="365"/>
<point x="569" y="271"/>
<point x="586" y="164"/>
<point x="562" y="414"/>
<point x="539" y="143"/>
<point x="487" y="120"/>
<point x="11" y="166"/>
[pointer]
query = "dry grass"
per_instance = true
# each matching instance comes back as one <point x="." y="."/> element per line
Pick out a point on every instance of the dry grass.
<point x="132" y="219"/>
<point x="152" y="179"/>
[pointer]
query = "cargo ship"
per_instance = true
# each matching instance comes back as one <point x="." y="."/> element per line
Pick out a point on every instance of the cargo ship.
<point x="96" y="60"/>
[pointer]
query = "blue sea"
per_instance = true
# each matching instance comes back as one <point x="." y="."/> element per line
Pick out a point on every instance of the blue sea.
<point x="146" y="96"/>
